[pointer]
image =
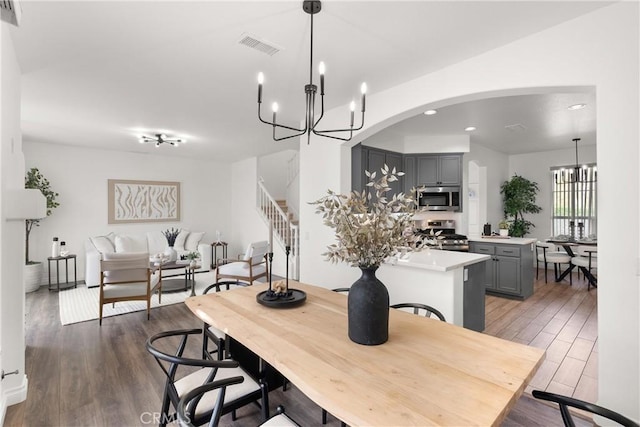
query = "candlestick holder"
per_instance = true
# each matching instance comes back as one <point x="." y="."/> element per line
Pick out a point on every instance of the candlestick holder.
<point x="279" y="295"/>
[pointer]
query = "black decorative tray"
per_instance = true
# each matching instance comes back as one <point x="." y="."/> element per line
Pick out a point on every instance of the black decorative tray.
<point x="292" y="298"/>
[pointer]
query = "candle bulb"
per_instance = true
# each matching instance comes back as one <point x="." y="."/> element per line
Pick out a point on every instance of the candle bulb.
<point x="274" y="107"/>
<point x="363" y="89"/>
<point x="260" y="81"/>
<point x="321" y="70"/>
<point x="352" y="107"/>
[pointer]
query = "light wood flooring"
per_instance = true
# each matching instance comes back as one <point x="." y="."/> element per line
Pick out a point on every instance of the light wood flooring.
<point x="86" y="375"/>
<point x="561" y="319"/>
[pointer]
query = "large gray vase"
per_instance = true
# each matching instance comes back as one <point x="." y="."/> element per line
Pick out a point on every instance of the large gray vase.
<point x="368" y="309"/>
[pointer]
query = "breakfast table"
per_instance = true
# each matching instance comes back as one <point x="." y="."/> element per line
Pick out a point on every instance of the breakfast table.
<point x="569" y="245"/>
<point x="428" y="373"/>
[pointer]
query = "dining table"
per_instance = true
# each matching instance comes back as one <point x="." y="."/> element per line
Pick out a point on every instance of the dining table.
<point x="569" y="245"/>
<point x="428" y="372"/>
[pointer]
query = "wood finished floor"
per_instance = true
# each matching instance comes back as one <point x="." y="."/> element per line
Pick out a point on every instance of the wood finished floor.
<point x="86" y="375"/>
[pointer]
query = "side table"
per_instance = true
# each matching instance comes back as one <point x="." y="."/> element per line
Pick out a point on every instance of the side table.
<point x="214" y="253"/>
<point x="66" y="284"/>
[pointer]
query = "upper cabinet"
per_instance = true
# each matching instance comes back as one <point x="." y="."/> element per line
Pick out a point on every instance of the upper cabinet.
<point x="439" y="169"/>
<point x="429" y="170"/>
<point x="373" y="159"/>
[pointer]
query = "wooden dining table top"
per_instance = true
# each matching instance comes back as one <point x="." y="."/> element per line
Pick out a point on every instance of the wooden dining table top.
<point x="428" y="373"/>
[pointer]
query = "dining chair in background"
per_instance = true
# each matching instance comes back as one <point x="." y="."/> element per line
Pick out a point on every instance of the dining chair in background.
<point x="548" y="253"/>
<point x="236" y="393"/>
<point x="128" y="277"/>
<point x="565" y="402"/>
<point x="586" y="257"/>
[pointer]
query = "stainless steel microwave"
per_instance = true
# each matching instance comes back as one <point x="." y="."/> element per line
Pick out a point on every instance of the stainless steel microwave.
<point x="440" y="198"/>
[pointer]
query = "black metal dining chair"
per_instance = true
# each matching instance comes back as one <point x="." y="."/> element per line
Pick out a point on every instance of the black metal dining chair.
<point x="565" y="402"/>
<point x="236" y="395"/>
<point x="419" y="309"/>
<point x="189" y="402"/>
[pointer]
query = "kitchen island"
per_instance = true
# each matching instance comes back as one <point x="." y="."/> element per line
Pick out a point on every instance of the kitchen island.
<point x="451" y="282"/>
<point x="509" y="272"/>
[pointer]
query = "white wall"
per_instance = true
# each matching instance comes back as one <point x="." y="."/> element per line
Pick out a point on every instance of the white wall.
<point x="536" y="167"/>
<point x="273" y="169"/>
<point x="13" y="389"/>
<point x="80" y="177"/>
<point x="599" y="49"/>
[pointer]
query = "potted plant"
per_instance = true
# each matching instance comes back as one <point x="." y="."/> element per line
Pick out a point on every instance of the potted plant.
<point x="33" y="269"/>
<point x="193" y="258"/>
<point x="519" y="198"/>
<point x="503" y="225"/>
<point x="369" y="228"/>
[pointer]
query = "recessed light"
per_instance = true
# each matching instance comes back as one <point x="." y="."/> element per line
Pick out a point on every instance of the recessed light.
<point x="577" y="106"/>
<point x="430" y="112"/>
<point x="470" y="128"/>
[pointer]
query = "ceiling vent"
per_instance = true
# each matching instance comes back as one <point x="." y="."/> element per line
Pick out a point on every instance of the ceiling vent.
<point x="517" y="128"/>
<point x="10" y="11"/>
<point x="257" y="44"/>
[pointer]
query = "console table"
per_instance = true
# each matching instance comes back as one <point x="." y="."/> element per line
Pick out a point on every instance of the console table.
<point x="214" y="253"/>
<point x="66" y="284"/>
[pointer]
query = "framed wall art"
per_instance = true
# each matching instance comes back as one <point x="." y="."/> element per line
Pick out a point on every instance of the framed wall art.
<point x="143" y="201"/>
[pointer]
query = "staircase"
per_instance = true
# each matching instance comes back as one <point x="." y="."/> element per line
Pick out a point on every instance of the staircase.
<point x="286" y="230"/>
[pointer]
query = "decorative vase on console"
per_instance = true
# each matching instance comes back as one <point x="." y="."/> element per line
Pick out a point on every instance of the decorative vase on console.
<point x="370" y="227"/>
<point x="171" y="240"/>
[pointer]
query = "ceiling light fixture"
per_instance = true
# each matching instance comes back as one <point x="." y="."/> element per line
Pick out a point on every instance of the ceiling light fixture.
<point x="430" y="112"/>
<point x="310" y="123"/>
<point x="578" y="174"/>
<point x="470" y="128"/>
<point x="161" y="138"/>
<point x="576" y="106"/>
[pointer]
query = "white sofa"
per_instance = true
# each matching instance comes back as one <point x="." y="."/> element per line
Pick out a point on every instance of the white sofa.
<point x="152" y="242"/>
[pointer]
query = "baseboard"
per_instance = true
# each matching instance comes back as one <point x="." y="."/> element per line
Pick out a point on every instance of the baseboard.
<point x="12" y="396"/>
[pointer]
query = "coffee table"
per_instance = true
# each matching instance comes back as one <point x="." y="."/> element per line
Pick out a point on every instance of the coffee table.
<point x="170" y="284"/>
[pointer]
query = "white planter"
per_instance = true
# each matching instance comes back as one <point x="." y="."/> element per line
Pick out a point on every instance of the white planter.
<point x="171" y="253"/>
<point x="504" y="232"/>
<point x="32" y="277"/>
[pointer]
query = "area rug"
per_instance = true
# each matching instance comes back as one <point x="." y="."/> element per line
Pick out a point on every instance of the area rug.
<point x="81" y="304"/>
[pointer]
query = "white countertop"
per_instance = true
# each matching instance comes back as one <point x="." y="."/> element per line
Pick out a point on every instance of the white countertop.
<point x="506" y="241"/>
<point x="437" y="260"/>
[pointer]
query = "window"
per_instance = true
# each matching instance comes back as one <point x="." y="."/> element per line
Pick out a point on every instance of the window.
<point x="574" y="192"/>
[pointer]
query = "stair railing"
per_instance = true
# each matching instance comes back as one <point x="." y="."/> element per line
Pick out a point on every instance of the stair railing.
<point x="284" y="232"/>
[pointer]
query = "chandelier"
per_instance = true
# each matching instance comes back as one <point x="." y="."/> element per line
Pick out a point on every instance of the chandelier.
<point x="161" y="138"/>
<point x="310" y="123"/>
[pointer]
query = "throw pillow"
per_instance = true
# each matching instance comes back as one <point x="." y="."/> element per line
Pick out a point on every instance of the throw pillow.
<point x="181" y="240"/>
<point x="131" y="244"/>
<point x="104" y="244"/>
<point x="157" y="242"/>
<point x="192" y="241"/>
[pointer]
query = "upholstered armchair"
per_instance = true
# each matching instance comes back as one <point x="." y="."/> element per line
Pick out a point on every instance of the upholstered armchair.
<point x="128" y="277"/>
<point x="251" y="267"/>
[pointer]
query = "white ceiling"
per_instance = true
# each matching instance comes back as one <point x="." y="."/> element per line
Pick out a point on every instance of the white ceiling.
<point x="98" y="74"/>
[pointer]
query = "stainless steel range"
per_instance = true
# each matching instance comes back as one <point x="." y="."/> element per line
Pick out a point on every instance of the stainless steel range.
<point x="448" y="239"/>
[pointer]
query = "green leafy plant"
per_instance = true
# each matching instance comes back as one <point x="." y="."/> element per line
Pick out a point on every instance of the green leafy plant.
<point x="35" y="180"/>
<point x="171" y="235"/>
<point x="503" y="224"/>
<point x="192" y="256"/>
<point x="369" y="227"/>
<point x="519" y="198"/>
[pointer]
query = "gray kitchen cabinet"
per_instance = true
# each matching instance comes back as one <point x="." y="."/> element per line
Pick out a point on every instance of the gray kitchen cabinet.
<point x="370" y="159"/>
<point x="509" y="272"/>
<point x="439" y="169"/>
<point x="473" y="296"/>
<point x="410" y="174"/>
